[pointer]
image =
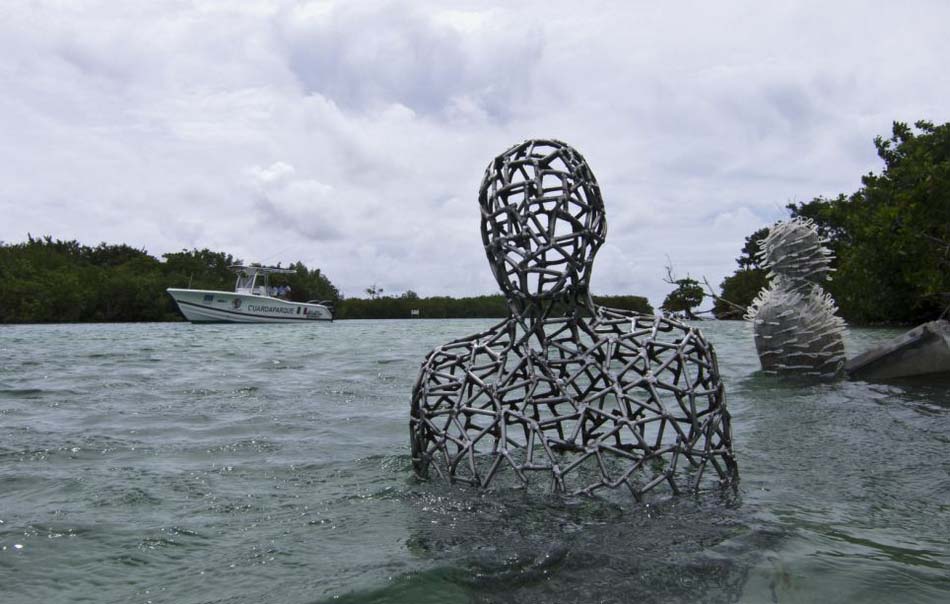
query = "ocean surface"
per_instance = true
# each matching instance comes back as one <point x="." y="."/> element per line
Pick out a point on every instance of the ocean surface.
<point x="270" y="463"/>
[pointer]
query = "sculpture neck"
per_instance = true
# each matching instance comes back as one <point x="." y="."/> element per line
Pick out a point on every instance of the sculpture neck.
<point x="532" y="313"/>
<point x="792" y="284"/>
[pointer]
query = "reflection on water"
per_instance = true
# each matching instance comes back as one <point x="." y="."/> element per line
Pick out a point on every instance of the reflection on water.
<point x="180" y="463"/>
<point x="522" y="549"/>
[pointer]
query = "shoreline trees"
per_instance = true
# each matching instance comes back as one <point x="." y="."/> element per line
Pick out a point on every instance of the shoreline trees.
<point x="43" y="280"/>
<point x="687" y="296"/>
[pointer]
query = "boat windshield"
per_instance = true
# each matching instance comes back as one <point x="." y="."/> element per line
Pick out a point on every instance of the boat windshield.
<point x="255" y="279"/>
<point x="245" y="283"/>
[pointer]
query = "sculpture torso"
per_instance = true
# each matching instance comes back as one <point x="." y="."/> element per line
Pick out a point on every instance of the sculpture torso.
<point x="605" y="398"/>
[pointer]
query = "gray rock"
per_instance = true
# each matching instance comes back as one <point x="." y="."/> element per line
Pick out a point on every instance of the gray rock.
<point x="922" y="350"/>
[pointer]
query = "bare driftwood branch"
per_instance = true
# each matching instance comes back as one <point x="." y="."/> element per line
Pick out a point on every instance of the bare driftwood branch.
<point x="935" y="239"/>
<point x="713" y="295"/>
<point x="670" y="277"/>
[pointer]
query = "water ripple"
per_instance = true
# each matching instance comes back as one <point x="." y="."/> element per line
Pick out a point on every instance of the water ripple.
<point x="180" y="463"/>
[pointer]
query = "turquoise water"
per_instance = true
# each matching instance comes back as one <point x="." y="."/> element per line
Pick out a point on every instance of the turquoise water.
<point x="269" y="463"/>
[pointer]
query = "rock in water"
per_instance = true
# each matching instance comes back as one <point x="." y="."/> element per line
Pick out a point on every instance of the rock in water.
<point x="921" y="351"/>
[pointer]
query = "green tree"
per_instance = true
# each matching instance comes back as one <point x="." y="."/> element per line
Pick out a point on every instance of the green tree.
<point x="47" y="280"/>
<point x="687" y="296"/>
<point x="738" y="291"/>
<point x="892" y="236"/>
<point x="308" y="284"/>
<point x="637" y="304"/>
<point x="200" y="269"/>
<point x="749" y="257"/>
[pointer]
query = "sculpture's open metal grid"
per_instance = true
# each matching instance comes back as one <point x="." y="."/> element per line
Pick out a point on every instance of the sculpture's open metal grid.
<point x="796" y="328"/>
<point x="585" y="396"/>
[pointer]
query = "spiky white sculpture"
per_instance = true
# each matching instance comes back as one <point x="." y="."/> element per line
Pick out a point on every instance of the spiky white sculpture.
<point x="796" y="329"/>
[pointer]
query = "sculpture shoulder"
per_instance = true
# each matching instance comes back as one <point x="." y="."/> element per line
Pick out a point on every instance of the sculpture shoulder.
<point x="459" y="354"/>
<point x="639" y="328"/>
<point x="633" y="321"/>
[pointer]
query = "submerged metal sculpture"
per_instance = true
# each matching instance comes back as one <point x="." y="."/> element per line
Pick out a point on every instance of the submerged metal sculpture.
<point x="797" y="330"/>
<point x="586" y="397"/>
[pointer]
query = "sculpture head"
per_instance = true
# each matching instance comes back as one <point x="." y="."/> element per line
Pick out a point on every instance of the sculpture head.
<point x="794" y="251"/>
<point x="542" y="219"/>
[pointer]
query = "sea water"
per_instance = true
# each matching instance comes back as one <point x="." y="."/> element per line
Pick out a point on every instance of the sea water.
<point x="269" y="463"/>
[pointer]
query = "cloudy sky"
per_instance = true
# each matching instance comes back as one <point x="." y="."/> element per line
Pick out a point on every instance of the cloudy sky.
<point x="353" y="135"/>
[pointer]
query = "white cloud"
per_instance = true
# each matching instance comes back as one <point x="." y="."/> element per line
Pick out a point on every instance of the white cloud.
<point x="306" y="206"/>
<point x="353" y="136"/>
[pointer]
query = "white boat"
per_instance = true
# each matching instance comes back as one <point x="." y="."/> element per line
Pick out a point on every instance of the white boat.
<point x="250" y="302"/>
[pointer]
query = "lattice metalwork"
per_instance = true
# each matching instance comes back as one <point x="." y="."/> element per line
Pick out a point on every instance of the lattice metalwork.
<point x="542" y="219"/>
<point x="797" y="330"/>
<point x="580" y="396"/>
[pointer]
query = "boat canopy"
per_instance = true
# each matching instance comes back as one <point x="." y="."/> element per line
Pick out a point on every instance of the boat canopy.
<point x="247" y="278"/>
<point x="260" y="270"/>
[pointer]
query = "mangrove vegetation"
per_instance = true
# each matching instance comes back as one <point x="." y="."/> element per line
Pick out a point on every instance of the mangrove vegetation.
<point x="45" y="280"/>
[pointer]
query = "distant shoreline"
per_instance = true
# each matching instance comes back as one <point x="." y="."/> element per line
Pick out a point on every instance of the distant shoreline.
<point x="437" y="307"/>
<point x="49" y="281"/>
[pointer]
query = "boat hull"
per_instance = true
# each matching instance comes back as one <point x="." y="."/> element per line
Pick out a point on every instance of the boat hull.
<point x="210" y="306"/>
